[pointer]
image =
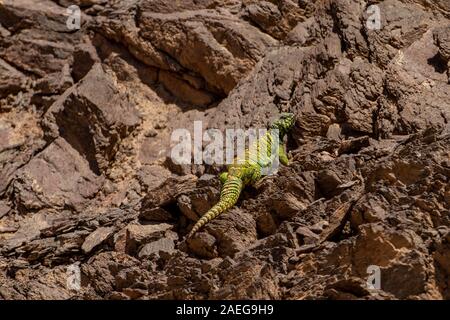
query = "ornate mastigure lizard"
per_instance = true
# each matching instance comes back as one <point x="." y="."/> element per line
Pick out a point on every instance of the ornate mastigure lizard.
<point x="247" y="169"/>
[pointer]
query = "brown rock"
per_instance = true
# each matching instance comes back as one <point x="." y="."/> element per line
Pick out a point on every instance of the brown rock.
<point x="4" y="209"/>
<point x="156" y="214"/>
<point x="169" y="190"/>
<point x="203" y="245"/>
<point x="29" y="230"/>
<point x="183" y="90"/>
<point x="164" y="245"/>
<point x="11" y="79"/>
<point x="96" y="238"/>
<point x="308" y="236"/>
<point x="201" y="33"/>
<point x="86" y="179"/>
<point x="138" y="235"/>
<point x="39" y="42"/>
<point x="100" y="118"/>
<point x="58" y="177"/>
<point x="328" y="181"/>
<point x="277" y="18"/>
<point x="20" y="139"/>
<point x="84" y="57"/>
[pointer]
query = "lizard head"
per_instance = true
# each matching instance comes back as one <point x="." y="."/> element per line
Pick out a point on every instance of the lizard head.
<point x="284" y="123"/>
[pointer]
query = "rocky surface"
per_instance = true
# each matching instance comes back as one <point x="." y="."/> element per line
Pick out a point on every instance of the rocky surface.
<point x="86" y="179"/>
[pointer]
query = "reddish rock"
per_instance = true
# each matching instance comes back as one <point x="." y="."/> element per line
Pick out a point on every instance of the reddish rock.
<point x="87" y="182"/>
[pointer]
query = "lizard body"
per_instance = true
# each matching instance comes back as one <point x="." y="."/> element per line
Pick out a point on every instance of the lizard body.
<point x="246" y="170"/>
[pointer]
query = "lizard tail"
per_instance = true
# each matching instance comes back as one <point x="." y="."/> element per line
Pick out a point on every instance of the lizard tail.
<point x="228" y="197"/>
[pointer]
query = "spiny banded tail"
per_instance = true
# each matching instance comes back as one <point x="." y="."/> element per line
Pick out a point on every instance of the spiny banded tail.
<point x="228" y="197"/>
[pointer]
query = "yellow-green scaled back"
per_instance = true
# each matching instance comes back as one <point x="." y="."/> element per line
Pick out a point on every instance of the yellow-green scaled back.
<point x="247" y="169"/>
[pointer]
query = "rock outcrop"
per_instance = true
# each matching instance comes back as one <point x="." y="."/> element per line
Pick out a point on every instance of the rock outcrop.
<point x="87" y="181"/>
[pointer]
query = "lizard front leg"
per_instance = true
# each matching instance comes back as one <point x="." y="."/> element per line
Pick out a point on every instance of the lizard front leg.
<point x="282" y="155"/>
<point x="223" y="177"/>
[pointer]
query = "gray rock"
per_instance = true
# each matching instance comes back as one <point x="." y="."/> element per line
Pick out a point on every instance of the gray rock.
<point x="162" y="245"/>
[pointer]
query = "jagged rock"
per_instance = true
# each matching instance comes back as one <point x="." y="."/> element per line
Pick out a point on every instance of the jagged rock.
<point x="200" y="33"/>
<point x="138" y="235"/>
<point x="196" y="203"/>
<point x="328" y="181"/>
<point x="100" y="117"/>
<point x="54" y="83"/>
<point x="82" y="3"/>
<point x="40" y="41"/>
<point x="183" y="90"/>
<point x="96" y="238"/>
<point x="87" y="181"/>
<point x="20" y="139"/>
<point x="59" y="177"/>
<point x="402" y="25"/>
<point x="419" y="95"/>
<point x="4" y="209"/>
<point x="156" y="214"/>
<point x="234" y="56"/>
<point x="308" y="236"/>
<point x="164" y="245"/>
<point x="169" y="190"/>
<point x="12" y="81"/>
<point x="49" y="87"/>
<point x="442" y="258"/>
<point x="29" y="230"/>
<point x="151" y="177"/>
<point x="109" y="270"/>
<point x="276" y="18"/>
<point x="203" y="245"/>
<point x="43" y="284"/>
<point x="347" y="289"/>
<point x="84" y="57"/>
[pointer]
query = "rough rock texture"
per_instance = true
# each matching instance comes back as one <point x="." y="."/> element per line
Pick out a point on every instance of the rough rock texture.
<point x="87" y="182"/>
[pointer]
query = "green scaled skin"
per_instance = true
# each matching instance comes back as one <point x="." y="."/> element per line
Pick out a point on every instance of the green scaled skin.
<point x="247" y="171"/>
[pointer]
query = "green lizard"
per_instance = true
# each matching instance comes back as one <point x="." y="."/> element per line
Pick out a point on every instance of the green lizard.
<point x="247" y="169"/>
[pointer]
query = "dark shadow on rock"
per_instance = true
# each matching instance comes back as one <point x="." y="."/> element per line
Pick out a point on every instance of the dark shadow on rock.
<point x="438" y="63"/>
